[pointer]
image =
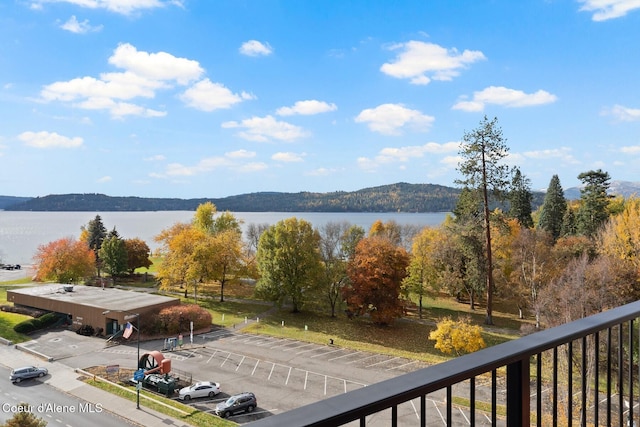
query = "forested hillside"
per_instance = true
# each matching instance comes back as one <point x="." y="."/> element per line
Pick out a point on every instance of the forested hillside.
<point x="401" y="197"/>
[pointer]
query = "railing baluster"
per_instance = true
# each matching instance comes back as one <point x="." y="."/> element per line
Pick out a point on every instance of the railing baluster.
<point x="539" y="390"/>
<point x="570" y="384"/>
<point x="630" y="418"/>
<point x="609" y="339"/>
<point x="449" y="398"/>
<point x="596" y="379"/>
<point x="494" y="398"/>
<point x="620" y="377"/>
<point x="423" y="411"/>
<point x="472" y="399"/>
<point x="555" y="387"/>
<point x="584" y="382"/>
<point x="394" y="416"/>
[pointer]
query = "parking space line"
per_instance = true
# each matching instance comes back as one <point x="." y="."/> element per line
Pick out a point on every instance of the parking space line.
<point x="325" y="385"/>
<point x="211" y="357"/>
<point x="465" y="416"/>
<point x="345" y="385"/>
<point x="306" y="376"/>
<point x="273" y="366"/>
<point x="307" y="351"/>
<point x="384" y="361"/>
<point x="225" y="359"/>
<point x="255" y="367"/>
<point x="439" y="413"/>
<point x="325" y="353"/>
<point x="345" y="355"/>
<point x="415" y="410"/>
<point x="403" y="365"/>
<point x="284" y="345"/>
<point x="288" y="375"/>
<point x="296" y="347"/>
<point x="362" y="360"/>
<point x="242" y="360"/>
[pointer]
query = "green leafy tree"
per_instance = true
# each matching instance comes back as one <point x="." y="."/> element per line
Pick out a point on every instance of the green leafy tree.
<point x="482" y="151"/>
<point x="289" y="262"/>
<point x="520" y="198"/>
<point x="553" y="209"/>
<point x="593" y="211"/>
<point x="423" y="270"/>
<point x="203" y="219"/>
<point x="113" y="254"/>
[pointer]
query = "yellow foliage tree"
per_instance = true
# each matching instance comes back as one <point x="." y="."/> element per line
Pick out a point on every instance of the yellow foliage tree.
<point x="621" y="236"/>
<point x="458" y="336"/>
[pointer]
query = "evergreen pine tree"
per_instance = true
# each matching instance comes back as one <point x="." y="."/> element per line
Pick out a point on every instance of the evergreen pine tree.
<point x="553" y="209"/>
<point x="594" y="202"/>
<point x="520" y="198"/>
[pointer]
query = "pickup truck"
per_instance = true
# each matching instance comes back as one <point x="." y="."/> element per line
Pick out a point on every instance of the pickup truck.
<point x="10" y="266"/>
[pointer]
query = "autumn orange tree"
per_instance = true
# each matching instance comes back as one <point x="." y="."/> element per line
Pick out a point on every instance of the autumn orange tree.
<point x="64" y="261"/>
<point x="138" y="253"/>
<point x="376" y="273"/>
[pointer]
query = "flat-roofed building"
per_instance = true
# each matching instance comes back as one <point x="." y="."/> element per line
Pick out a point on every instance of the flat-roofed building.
<point x="86" y="305"/>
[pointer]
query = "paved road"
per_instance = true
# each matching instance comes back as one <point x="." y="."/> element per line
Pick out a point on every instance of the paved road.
<point x="57" y="409"/>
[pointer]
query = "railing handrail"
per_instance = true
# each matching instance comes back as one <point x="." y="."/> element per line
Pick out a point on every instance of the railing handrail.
<point x="355" y="404"/>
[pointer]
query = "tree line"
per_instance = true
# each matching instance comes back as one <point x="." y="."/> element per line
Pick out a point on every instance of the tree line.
<point x="557" y="262"/>
<point x="400" y="197"/>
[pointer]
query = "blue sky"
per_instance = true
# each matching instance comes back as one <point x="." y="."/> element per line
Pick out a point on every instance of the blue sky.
<point x="203" y="98"/>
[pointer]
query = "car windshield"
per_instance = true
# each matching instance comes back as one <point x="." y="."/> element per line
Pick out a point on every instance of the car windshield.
<point x="230" y="401"/>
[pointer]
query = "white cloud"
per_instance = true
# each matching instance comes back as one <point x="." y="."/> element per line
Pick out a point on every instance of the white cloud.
<point x="240" y="154"/>
<point x="406" y="154"/>
<point x="320" y="172"/>
<point x="252" y="167"/>
<point x="422" y="62"/>
<point x="155" y="158"/>
<point x="633" y="149"/>
<point x="288" y="157"/>
<point x="623" y="114"/>
<point x="124" y="7"/>
<point x="255" y="48"/>
<point x="159" y="66"/>
<point x="263" y="129"/>
<point x="389" y="119"/>
<point x="144" y="74"/>
<point x="208" y="96"/>
<point x="307" y="108"/>
<point x="609" y="9"/>
<point x="106" y="178"/>
<point x="562" y="153"/>
<point x="510" y="98"/>
<point x="74" y="26"/>
<point x="205" y="165"/>
<point x="49" y="140"/>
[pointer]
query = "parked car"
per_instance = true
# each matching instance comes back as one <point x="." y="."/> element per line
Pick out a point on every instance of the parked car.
<point x="200" y="389"/>
<point x="243" y="402"/>
<point x="27" y="372"/>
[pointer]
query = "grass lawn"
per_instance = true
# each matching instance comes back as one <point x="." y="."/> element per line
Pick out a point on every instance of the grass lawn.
<point x="9" y="320"/>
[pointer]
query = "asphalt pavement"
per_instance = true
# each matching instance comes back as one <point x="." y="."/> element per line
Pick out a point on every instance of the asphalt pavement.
<point x="67" y="380"/>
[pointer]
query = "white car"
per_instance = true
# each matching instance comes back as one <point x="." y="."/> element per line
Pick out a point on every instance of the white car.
<point x="200" y="389"/>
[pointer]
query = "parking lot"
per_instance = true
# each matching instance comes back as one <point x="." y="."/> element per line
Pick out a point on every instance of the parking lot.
<point x="284" y="374"/>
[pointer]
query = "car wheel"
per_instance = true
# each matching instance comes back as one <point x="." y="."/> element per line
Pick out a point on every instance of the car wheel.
<point x="250" y="408"/>
<point x="41" y="374"/>
<point x="211" y="394"/>
<point x="18" y="380"/>
<point x="187" y="398"/>
<point x="225" y="414"/>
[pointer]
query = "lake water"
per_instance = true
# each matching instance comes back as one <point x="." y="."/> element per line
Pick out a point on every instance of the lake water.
<point x="22" y="232"/>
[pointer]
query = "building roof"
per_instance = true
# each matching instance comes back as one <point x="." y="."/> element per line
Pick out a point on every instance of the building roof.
<point x="103" y="298"/>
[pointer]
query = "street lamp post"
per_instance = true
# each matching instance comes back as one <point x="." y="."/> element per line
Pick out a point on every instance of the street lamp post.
<point x="137" y="315"/>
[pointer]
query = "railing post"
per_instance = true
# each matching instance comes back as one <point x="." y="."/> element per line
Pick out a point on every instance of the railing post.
<point x="518" y="401"/>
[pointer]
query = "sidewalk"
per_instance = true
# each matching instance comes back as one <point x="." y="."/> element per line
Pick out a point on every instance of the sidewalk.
<point x="66" y="380"/>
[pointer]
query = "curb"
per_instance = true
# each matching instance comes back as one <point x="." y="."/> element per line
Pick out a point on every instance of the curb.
<point x="33" y="352"/>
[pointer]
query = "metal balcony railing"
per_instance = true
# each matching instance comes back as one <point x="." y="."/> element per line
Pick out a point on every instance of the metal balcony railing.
<point x="581" y="373"/>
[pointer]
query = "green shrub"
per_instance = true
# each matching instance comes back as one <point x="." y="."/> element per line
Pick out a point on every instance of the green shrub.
<point x="41" y="322"/>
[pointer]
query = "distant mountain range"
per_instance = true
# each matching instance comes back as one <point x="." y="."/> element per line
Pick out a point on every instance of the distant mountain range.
<point x="400" y="197"/>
